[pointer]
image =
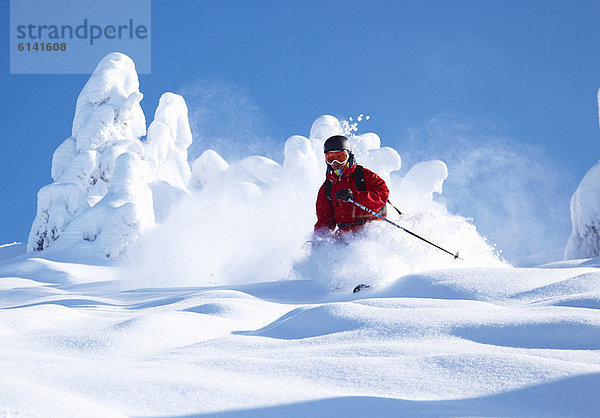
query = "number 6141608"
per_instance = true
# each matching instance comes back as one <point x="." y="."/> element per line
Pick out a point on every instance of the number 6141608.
<point x="43" y="46"/>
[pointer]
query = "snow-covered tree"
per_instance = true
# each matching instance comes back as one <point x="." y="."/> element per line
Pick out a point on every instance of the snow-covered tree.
<point x="169" y="137"/>
<point x="108" y="122"/>
<point x="107" y="181"/>
<point x="117" y="220"/>
<point x="584" y="241"/>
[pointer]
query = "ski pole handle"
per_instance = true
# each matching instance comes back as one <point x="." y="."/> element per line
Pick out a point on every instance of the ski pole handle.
<point x="397" y="210"/>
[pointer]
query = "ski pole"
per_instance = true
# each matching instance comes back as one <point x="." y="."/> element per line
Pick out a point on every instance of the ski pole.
<point x="402" y="228"/>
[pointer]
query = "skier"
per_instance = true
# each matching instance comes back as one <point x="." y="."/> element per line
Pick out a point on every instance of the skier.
<point x="347" y="180"/>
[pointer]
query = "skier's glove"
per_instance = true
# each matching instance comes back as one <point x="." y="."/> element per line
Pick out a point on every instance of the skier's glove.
<point x="344" y="194"/>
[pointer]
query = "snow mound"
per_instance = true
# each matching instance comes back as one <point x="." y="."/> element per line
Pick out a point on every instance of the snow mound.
<point x="558" y="333"/>
<point x="490" y="284"/>
<point x="41" y="317"/>
<point x="317" y="321"/>
<point x="207" y="168"/>
<point x="464" y="342"/>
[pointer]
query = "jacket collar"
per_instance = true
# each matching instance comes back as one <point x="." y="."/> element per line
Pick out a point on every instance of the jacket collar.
<point x="331" y="176"/>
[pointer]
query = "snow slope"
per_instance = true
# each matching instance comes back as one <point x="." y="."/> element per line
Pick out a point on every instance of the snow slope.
<point x="462" y="342"/>
<point x="155" y="287"/>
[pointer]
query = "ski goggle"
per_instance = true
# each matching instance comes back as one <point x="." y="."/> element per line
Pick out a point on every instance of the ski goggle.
<point x="339" y="157"/>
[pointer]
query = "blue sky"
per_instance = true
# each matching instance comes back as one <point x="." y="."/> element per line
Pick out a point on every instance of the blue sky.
<point x="522" y="72"/>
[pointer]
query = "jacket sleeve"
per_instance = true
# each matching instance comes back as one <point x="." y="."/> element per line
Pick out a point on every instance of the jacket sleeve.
<point x="325" y="219"/>
<point x="377" y="193"/>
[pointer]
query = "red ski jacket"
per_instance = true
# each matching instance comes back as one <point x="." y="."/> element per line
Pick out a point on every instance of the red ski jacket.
<point x="344" y="214"/>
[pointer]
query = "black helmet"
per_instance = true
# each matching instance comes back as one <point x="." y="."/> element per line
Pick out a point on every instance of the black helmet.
<point x="336" y="143"/>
